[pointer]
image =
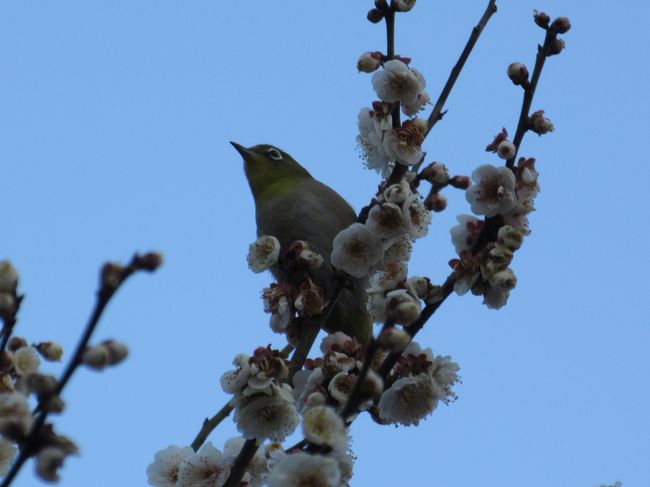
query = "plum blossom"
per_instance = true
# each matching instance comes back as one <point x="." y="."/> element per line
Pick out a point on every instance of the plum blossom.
<point x="163" y="472"/>
<point x="409" y="400"/>
<point x="403" y="144"/>
<point x="397" y="83"/>
<point x="385" y="220"/>
<point x="301" y="470"/>
<point x="356" y="250"/>
<point x="416" y="217"/>
<point x="493" y="191"/>
<point x="263" y="253"/>
<point x="323" y="426"/>
<point x="264" y="416"/>
<point x="371" y="143"/>
<point x="206" y="468"/>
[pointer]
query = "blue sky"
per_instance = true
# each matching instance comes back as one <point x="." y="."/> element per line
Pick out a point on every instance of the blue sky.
<point x="115" y="119"/>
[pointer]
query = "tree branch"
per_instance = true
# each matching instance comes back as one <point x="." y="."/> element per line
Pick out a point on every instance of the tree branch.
<point x="210" y="424"/>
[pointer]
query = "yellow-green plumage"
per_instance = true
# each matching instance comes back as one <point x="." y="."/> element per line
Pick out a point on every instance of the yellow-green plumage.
<point x="291" y="205"/>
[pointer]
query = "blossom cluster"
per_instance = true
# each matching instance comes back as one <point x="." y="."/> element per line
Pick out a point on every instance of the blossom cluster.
<point x="396" y="218"/>
<point x="505" y="196"/>
<point x="416" y="384"/>
<point x="23" y="384"/>
<point x="382" y="140"/>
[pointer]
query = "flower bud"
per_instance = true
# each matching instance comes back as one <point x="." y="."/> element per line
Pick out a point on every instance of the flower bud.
<point x="117" y="351"/>
<point x="561" y="25"/>
<point x="15" y="343"/>
<point x="149" y="262"/>
<point x="394" y="340"/>
<point x="539" y="124"/>
<point x="375" y="15"/>
<point x="50" y="351"/>
<point x="437" y="202"/>
<point x="518" y="73"/>
<point x="436" y="172"/>
<point x="369" y="62"/>
<point x="460" y="182"/>
<point x="48" y="462"/>
<point x="555" y="47"/>
<point x="95" y="357"/>
<point x="510" y="237"/>
<point x="310" y="259"/>
<point x="26" y="361"/>
<point x="504" y="280"/>
<point x="542" y="19"/>
<point x="7" y="305"/>
<point x="8" y="277"/>
<point x="403" y="5"/>
<point x="42" y="384"/>
<point x="506" y="150"/>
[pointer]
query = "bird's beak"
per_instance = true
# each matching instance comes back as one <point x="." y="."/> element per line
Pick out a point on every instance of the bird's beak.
<point x="243" y="151"/>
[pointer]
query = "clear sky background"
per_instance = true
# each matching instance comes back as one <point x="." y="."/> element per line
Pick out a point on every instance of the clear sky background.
<point x="115" y="119"/>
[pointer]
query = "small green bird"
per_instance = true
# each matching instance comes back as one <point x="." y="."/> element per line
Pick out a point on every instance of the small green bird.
<point x="291" y="205"/>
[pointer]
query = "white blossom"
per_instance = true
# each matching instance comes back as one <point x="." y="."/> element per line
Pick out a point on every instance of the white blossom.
<point x="263" y="253"/>
<point x="305" y="383"/>
<point x="356" y="250"/>
<point x="323" y="426"/>
<point x="371" y="144"/>
<point x="416" y="217"/>
<point x="15" y="413"/>
<point x="493" y="191"/>
<point x="398" y="249"/>
<point x="504" y="280"/>
<point x="396" y="82"/>
<point x="385" y="220"/>
<point x="445" y="373"/>
<point x="340" y="386"/>
<point x="495" y="298"/>
<point x="304" y="470"/>
<point x="233" y="381"/>
<point x="394" y="274"/>
<point x="398" y="193"/>
<point x="506" y="149"/>
<point x="404" y="144"/>
<point x="415" y="349"/>
<point x="409" y="400"/>
<point x="338" y="338"/>
<point x="206" y="468"/>
<point x="26" y="361"/>
<point x="421" y="101"/>
<point x="402" y="306"/>
<point x="163" y="472"/>
<point x="281" y="317"/>
<point x="268" y="416"/>
<point x="48" y="462"/>
<point x="369" y="62"/>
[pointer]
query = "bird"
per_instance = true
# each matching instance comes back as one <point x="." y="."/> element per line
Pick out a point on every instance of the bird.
<point x="292" y="205"/>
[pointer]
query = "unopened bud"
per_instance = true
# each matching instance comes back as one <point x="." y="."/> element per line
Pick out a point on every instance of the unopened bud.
<point x="518" y="73"/>
<point x="539" y="124"/>
<point x="148" y="262"/>
<point x="555" y="47"/>
<point x="375" y="15"/>
<point x="437" y="202"/>
<point x="381" y="4"/>
<point x="506" y="150"/>
<point x="7" y="305"/>
<point x="52" y="404"/>
<point x="542" y="19"/>
<point x="460" y="182"/>
<point x="112" y="275"/>
<point x="403" y="5"/>
<point x="50" y="351"/>
<point x="117" y="351"/>
<point x="310" y="259"/>
<point x="369" y="62"/>
<point x="95" y="357"/>
<point x="510" y="237"/>
<point x="394" y="340"/>
<point x="26" y="361"/>
<point x="436" y="172"/>
<point x="504" y="280"/>
<point x="42" y="384"/>
<point x="561" y="25"/>
<point x="315" y="399"/>
<point x="16" y="342"/>
<point x="8" y="277"/>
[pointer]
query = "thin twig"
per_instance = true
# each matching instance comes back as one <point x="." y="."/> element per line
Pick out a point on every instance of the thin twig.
<point x="112" y="277"/>
<point x="10" y="321"/>
<point x="437" y="112"/>
<point x="210" y="424"/>
<point x="238" y="469"/>
<point x="529" y="93"/>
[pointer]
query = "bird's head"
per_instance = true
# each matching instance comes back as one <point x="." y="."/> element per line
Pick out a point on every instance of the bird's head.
<point x="269" y="170"/>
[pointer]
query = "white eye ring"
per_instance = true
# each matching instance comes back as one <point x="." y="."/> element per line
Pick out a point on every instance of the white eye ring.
<point x="274" y="154"/>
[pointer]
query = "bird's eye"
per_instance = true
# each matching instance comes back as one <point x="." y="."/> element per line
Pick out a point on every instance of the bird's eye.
<point x="274" y="154"/>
